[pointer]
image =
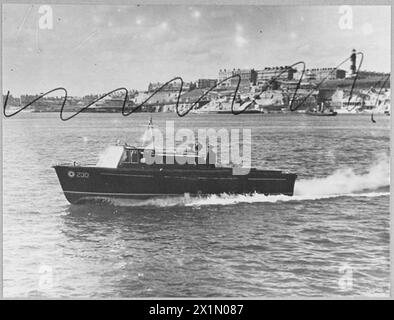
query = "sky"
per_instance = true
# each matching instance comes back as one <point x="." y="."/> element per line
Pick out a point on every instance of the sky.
<point x="97" y="48"/>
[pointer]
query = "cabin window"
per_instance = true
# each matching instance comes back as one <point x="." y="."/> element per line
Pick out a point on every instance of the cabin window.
<point x="127" y="156"/>
<point x="131" y="156"/>
<point x="135" y="157"/>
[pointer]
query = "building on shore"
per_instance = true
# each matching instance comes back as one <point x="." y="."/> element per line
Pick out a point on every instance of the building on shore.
<point x="161" y="95"/>
<point x="363" y="83"/>
<point x="320" y="74"/>
<point x="250" y="77"/>
<point x="245" y="79"/>
<point x="206" y="83"/>
<point x="362" y="74"/>
<point x="172" y="86"/>
<point x="267" y="74"/>
<point x="222" y="78"/>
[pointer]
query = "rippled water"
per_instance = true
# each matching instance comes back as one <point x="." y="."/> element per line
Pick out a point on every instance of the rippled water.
<point x="331" y="238"/>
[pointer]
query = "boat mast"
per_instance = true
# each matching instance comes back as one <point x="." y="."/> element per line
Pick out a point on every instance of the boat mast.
<point x="150" y="127"/>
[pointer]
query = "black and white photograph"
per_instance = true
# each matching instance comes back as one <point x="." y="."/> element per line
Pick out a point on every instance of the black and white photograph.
<point x="196" y="150"/>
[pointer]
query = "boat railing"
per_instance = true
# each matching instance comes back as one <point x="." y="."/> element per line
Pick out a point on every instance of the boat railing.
<point x="74" y="164"/>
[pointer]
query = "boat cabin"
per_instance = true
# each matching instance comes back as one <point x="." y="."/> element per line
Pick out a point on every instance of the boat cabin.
<point x="127" y="156"/>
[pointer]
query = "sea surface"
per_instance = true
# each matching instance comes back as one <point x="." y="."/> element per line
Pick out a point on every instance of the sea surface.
<point x="330" y="239"/>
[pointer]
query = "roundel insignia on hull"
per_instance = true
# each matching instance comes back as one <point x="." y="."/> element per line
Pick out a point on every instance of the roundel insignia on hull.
<point x="71" y="174"/>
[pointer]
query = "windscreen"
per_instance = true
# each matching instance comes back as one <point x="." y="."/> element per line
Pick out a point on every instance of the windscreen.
<point x="111" y="157"/>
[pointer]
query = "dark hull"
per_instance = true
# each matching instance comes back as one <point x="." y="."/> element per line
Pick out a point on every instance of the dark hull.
<point x="82" y="184"/>
<point x="322" y="114"/>
<point x="252" y="111"/>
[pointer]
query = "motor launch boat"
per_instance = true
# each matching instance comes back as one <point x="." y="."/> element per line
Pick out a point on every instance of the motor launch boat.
<point x="123" y="172"/>
<point x="321" y="110"/>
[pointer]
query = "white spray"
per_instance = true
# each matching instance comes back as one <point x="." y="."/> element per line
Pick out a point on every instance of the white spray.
<point x="343" y="182"/>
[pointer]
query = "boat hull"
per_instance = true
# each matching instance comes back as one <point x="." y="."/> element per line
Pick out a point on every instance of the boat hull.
<point x="321" y="114"/>
<point x="81" y="184"/>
